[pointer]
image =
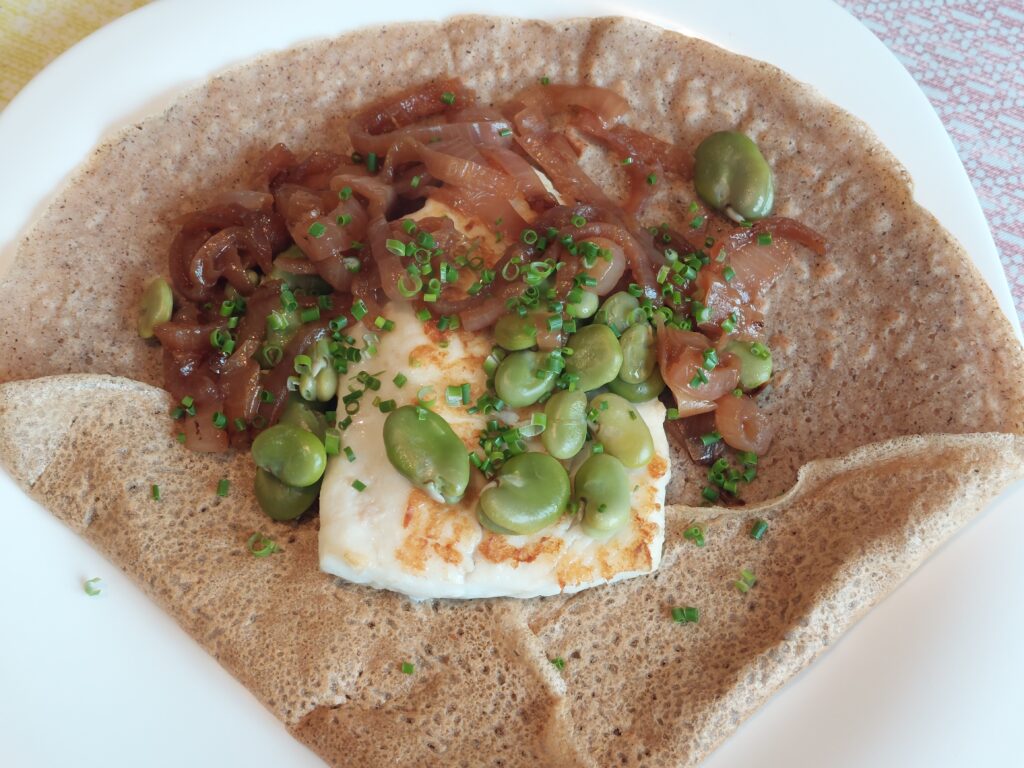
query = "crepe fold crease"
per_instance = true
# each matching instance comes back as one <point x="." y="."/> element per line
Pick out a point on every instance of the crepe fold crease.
<point x="898" y="410"/>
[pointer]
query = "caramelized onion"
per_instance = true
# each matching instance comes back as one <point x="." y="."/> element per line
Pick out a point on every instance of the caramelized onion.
<point x="680" y="356"/>
<point x="742" y="425"/>
<point x="628" y="142"/>
<point x="553" y="98"/>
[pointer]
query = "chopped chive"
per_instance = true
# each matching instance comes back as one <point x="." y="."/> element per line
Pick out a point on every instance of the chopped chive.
<point x="579" y="221"/>
<point x="345" y="193"/>
<point x="349" y="453"/>
<point x="687" y="615"/>
<point x="697" y="222"/>
<point x="371" y="162"/>
<point x="423" y="314"/>
<point x="90" y="586"/>
<point x="155" y="492"/>
<point x="359" y="485"/>
<point x="545" y="80"/>
<point x="453" y="395"/>
<point x="448" y="97"/>
<point x="309" y="314"/>
<point x="181" y="437"/>
<point x="359" y="309"/>
<point x="223" y="487"/>
<point x="267" y="396"/>
<point x="400" y="380"/>
<point x="558" y="663"/>
<point x="505" y="132"/>
<point x="627" y="161"/>
<point x="260" y="545"/>
<point x="316" y="229"/>
<point x="759" y="350"/>
<point x="344" y="219"/>
<point x="220" y="421"/>
<point x="711" y="438"/>
<point x="672" y="414"/>
<point x="765" y="238"/>
<point x="710" y="493"/>
<point x="407" y="668"/>
<point x="758" y="531"/>
<point x="652" y="179"/>
<point x="694" y="533"/>
<point x="728" y="273"/>
<point x="332" y="443"/>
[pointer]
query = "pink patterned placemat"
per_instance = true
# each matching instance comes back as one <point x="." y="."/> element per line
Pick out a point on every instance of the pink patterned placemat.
<point x="966" y="55"/>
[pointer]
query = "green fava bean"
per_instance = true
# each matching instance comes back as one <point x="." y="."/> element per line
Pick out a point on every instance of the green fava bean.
<point x="280" y="501"/>
<point x="730" y="172"/>
<point x="584" y="308"/>
<point x="299" y="415"/>
<point x="755" y="362"/>
<point x="596" y="356"/>
<point x="515" y="332"/>
<point x="292" y="454"/>
<point x="519" y="380"/>
<point x="427" y="451"/>
<point x="638" y="353"/>
<point x="566" y="430"/>
<point x="489" y="524"/>
<point x="646" y="390"/>
<point x="155" y="307"/>
<point x="619" y="428"/>
<point x="531" y="493"/>
<point x="601" y="488"/>
<point x="618" y="312"/>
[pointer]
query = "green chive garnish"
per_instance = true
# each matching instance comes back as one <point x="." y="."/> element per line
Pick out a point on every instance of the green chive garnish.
<point x="316" y="229"/>
<point x="687" y="615"/>
<point x="90" y="587"/>
<point x="652" y="179"/>
<point x="155" y="491"/>
<point x="260" y="545"/>
<point x="448" y="97"/>
<point x="407" y="668"/>
<point x="694" y="533"/>
<point x="745" y="581"/>
<point x="765" y="238"/>
<point x="758" y="531"/>
<point x="223" y="487"/>
<point x="558" y="663"/>
<point x="359" y="485"/>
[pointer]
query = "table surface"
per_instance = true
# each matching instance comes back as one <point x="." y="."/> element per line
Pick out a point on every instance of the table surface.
<point x="965" y="54"/>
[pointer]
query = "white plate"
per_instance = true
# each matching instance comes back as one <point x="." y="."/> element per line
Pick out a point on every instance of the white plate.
<point x="931" y="677"/>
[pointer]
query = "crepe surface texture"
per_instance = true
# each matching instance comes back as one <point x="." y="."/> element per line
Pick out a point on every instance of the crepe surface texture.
<point x="898" y="411"/>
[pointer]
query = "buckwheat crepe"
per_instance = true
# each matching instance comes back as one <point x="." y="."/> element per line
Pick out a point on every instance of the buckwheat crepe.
<point x="898" y="414"/>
